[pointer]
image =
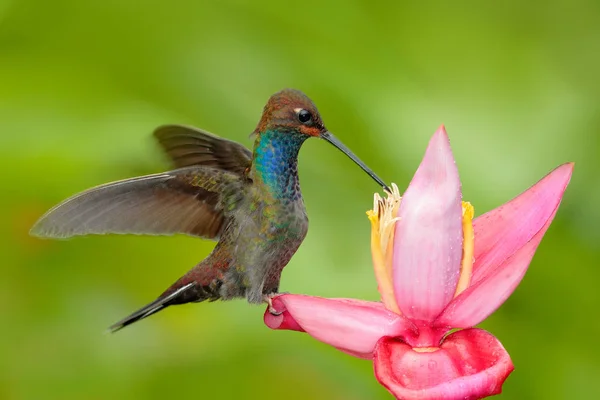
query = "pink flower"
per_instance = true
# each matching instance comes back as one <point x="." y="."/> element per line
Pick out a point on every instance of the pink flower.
<point x="437" y="270"/>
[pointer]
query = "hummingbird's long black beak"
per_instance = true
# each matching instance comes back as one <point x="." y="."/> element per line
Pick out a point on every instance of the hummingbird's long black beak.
<point x="334" y="141"/>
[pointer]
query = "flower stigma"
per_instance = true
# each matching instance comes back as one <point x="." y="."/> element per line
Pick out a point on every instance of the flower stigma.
<point x="425" y="349"/>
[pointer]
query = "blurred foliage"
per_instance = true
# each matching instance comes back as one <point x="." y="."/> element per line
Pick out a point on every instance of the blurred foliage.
<point x="82" y="83"/>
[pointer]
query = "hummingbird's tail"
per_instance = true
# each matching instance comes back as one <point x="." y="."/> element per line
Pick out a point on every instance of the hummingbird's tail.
<point x="177" y="297"/>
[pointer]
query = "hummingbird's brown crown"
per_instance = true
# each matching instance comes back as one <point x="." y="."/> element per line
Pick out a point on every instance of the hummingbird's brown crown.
<point x="290" y="109"/>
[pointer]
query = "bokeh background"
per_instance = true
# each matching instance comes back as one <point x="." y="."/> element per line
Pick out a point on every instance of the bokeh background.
<point x="83" y="83"/>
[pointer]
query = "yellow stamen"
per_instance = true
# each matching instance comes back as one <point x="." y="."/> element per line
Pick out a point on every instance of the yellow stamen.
<point x="383" y="221"/>
<point x="466" y="265"/>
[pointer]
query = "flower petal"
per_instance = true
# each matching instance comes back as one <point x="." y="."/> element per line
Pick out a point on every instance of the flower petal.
<point x="428" y="237"/>
<point x="483" y="298"/>
<point x="504" y="230"/>
<point x="471" y="364"/>
<point x="353" y="326"/>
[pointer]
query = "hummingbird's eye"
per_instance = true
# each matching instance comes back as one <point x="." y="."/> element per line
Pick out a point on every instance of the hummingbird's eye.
<point x="304" y="116"/>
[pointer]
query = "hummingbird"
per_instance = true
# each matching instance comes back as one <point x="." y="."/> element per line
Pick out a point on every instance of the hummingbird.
<point x="248" y="201"/>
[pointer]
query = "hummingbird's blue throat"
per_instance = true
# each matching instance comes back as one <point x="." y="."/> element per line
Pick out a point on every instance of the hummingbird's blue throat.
<point x="276" y="162"/>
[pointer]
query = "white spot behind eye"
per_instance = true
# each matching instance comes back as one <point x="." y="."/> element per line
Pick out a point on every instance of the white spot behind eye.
<point x="297" y="110"/>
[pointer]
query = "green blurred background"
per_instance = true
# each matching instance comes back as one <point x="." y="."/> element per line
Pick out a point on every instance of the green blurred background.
<point x="83" y="83"/>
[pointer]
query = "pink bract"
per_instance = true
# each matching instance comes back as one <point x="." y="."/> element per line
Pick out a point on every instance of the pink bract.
<point x="437" y="285"/>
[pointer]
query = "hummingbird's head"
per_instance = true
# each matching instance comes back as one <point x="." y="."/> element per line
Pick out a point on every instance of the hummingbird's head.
<point x="291" y="111"/>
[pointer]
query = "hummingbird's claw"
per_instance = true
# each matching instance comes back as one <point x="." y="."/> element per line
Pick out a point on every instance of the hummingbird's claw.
<point x="273" y="311"/>
<point x="269" y="300"/>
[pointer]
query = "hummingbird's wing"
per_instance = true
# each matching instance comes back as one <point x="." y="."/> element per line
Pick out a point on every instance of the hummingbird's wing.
<point x="188" y="146"/>
<point x="188" y="200"/>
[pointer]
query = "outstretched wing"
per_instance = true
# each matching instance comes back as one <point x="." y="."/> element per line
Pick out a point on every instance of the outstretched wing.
<point x="188" y="200"/>
<point x="188" y="146"/>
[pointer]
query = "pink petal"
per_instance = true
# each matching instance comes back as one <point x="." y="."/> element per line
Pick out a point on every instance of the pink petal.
<point x="483" y="298"/>
<point x="353" y="326"/>
<point x="471" y="364"/>
<point x="428" y="237"/>
<point x="504" y="230"/>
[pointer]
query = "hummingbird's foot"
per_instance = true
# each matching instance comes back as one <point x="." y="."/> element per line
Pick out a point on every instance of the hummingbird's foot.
<point x="268" y="298"/>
